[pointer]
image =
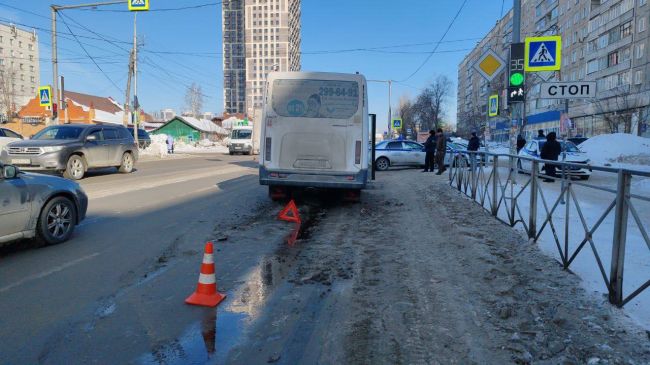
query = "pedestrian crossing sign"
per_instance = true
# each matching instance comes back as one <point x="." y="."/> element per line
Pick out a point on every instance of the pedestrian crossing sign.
<point x="138" y="5"/>
<point x="397" y="123"/>
<point x="493" y="105"/>
<point x="45" y="96"/>
<point x="543" y="53"/>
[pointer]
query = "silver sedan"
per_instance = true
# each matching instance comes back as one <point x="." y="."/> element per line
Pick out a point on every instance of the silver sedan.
<point x="41" y="206"/>
<point x="403" y="153"/>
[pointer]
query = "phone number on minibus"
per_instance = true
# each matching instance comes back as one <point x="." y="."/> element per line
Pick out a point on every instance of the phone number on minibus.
<point x="330" y="91"/>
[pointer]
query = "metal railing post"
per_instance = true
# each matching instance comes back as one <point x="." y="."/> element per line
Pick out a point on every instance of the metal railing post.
<point x="620" y="233"/>
<point x="473" y="157"/>
<point x="495" y="173"/>
<point x="532" y="214"/>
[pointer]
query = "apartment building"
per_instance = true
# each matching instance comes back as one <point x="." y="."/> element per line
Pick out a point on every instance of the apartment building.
<point x="19" y="68"/>
<point x="603" y="41"/>
<point x="259" y="36"/>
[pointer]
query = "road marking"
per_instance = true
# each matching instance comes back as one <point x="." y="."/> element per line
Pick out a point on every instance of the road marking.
<point x="48" y="272"/>
<point x="116" y="190"/>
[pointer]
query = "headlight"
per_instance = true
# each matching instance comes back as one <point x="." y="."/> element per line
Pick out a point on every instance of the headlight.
<point x="52" y="149"/>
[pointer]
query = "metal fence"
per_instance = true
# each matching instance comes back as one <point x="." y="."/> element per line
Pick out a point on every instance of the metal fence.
<point x="498" y="184"/>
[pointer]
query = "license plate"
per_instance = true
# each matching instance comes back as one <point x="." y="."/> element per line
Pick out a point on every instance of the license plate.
<point x="21" y="161"/>
<point x="238" y="148"/>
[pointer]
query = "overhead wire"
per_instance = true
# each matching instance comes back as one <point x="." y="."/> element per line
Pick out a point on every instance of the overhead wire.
<point x="453" y="20"/>
<point x="89" y="56"/>
<point x="189" y="7"/>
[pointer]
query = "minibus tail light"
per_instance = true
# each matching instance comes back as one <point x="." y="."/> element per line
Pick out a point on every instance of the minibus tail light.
<point x="357" y="153"/>
<point x="267" y="149"/>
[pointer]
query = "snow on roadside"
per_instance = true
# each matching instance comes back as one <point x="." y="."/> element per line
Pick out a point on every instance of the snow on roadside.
<point x="158" y="146"/>
<point x="203" y="146"/>
<point x="618" y="150"/>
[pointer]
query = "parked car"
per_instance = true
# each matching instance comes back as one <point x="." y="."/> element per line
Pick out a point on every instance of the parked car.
<point x="392" y="153"/>
<point x="144" y="140"/>
<point x="73" y="149"/>
<point x="577" y="140"/>
<point x="7" y="136"/>
<point x="42" y="206"/>
<point x="573" y="154"/>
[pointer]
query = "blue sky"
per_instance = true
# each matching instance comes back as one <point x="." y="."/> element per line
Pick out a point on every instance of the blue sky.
<point x="181" y="47"/>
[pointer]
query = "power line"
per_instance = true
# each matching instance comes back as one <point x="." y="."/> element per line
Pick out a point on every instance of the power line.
<point x="438" y="44"/>
<point x="190" y="7"/>
<point x="89" y="56"/>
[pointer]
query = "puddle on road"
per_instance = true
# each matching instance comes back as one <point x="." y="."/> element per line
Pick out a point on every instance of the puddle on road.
<point x="223" y="328"/>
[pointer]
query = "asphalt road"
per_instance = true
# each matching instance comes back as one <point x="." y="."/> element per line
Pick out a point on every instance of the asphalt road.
<point x="140" y="229"/>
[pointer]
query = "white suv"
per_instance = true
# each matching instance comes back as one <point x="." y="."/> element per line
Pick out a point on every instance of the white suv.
<point x="7" y="136"/>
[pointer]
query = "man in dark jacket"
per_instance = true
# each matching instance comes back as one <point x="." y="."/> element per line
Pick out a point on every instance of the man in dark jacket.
<point x="430" y="149"/>
<point x="441" y="149"/>
<point x="521" y="142"/>
<point x="550" y="151"/>
<point x="473" y="145"/>
<point x="540" y="134"/>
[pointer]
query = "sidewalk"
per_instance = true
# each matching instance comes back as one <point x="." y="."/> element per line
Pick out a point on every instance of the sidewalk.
<point x="418" y="274"/>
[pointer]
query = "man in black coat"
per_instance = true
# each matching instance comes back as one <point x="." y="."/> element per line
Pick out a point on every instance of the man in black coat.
<point x="521" y="142"/>
<point x="430" y="149"/>
<point x="540" y="135"/>
<point x="473" y="145"/>
<point x="550" y="151"/>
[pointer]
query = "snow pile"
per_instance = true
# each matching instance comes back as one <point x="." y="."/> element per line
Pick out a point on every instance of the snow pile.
<point x="618" y="150"/>
<point x="158" y="146"/>
<point x="204" y="146"/>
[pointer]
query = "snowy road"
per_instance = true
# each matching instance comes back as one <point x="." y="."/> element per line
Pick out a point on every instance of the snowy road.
<point x="414" y="274"/>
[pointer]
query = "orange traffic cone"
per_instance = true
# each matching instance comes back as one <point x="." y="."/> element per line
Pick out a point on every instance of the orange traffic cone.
<point x="206" y="293"/>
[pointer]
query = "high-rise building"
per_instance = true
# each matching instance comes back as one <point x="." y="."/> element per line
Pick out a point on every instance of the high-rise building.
<point x="602" y="41"/>
<point x="234" y="57"/>
<point x="19" y="68"/>
<point x="259" y="36"/>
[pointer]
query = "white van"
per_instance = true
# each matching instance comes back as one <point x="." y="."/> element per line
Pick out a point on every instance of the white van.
<point x="241" y="140"/>
<point x="315" y="132"/>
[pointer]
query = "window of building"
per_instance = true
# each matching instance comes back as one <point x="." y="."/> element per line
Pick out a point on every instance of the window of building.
<point x="626" y="29"/>
<point x="592" y="66"/>
<point x="640" y="50"/>
<point x="602" y="41"/>
<point x="625" y="54"/>
<point x="638" y="77"/>
<point x="22" y="77"/>
<point x="20" y="44"/>
<point x="642" y="25"/>
<point x="31" y="47"/>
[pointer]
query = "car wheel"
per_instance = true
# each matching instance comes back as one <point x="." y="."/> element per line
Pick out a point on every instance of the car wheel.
<point x="57" y="220"/>
<point x="75" y="168"/>
<point x="231" y="153"/>
<point x="585" y="177"/>
<point x="127" y="163"/>
<point x="382" y="164"/>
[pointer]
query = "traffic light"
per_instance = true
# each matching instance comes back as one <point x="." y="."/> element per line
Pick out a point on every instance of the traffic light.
<point x="517" y="77"/>
<point x="55" y="110"/>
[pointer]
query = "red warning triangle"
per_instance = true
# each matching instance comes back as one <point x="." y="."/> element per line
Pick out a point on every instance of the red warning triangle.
<point x="290" y="213"/>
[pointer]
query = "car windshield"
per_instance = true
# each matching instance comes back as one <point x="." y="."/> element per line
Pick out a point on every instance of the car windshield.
<point x="567" y="146"/>
<point x="241" y="134"/>
<point x="52" y="133"/>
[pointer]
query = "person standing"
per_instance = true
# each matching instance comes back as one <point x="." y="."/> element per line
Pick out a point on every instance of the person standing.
<point x="473" y="145"/>
<point x="170" y="144"/>
<point x="550" y="151"/>
<point x="521" y="142"/>
<point x="540" y="135"/>
<point x="441" y="149"/>
<point x="430" y="149"/>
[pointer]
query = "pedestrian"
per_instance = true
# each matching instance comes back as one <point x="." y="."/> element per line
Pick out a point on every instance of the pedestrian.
<point x="441" y="149"/>
<point x="551" y="151"/>
<point x="521" y="142"/>
<point x="430" y="149"/>
<point x="540" y="134"/>
<point x="170" y="144"/>
<point x="473" y="145"/>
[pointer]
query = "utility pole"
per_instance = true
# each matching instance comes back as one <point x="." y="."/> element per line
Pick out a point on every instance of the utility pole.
<point x="55" y="60"/>
<point x="390" y="91"/>
<point x="127" y="98"/>
<point x="55" y="63"/>
<point x="136" y="103"/>
<point x="515" y="107"/>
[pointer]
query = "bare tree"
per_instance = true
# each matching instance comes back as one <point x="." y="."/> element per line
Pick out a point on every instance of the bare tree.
<point x="429" y="105"/>
<point x="624" y="109"/>
<point x="7" y="93"/>
<point x="406" y="112"/>
<point x="194" y="100"/>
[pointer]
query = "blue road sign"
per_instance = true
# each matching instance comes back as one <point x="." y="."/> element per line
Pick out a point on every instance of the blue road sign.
<point x="45" y="96"/>
<point x="543" y="53"/>
<point x="397" y="123"/>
